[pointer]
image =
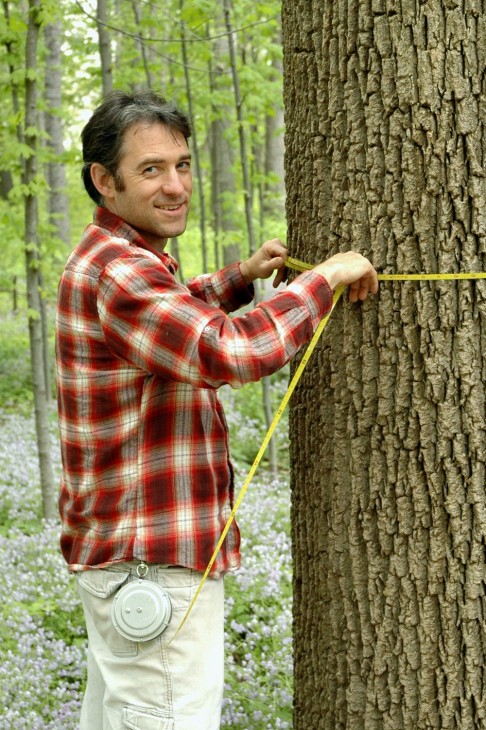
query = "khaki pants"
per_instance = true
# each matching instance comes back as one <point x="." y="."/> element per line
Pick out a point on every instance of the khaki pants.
<point x="153" y="685"/>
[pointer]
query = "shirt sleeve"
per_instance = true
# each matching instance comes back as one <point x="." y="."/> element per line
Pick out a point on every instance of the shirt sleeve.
<point x="225" y="289"/>
<point x="152" y="322"/>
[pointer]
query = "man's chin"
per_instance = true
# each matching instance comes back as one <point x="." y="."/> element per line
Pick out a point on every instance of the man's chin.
<point x="158" y="238"/>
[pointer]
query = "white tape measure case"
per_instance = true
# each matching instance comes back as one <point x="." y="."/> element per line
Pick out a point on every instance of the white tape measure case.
<point x="141" y="610"/>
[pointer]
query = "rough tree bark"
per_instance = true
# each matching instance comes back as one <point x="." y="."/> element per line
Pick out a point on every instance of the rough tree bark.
<point x="386" y="154"/>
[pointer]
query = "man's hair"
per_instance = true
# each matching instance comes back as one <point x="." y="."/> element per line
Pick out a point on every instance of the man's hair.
<point x="103" y="135"/>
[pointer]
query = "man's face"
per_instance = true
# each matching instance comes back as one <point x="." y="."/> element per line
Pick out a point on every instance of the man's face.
<point x="153" y="185"/>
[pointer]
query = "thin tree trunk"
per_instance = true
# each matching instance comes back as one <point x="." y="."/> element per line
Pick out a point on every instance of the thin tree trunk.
<point x="32" y="270"/>
<point x="13" y="83"/>
<point x="141" y="45"/>
<point x="15" y="296"/>
<point x="223" y="186"/>
<point x="58" y="204"/>
<point x="241" y="128"/>
<point x="274" y="190"/>
<point x="174" y="249"/>
<point x="104" y="47"/>
<point x="56" y="174"/>
<point x="6" y="177"/>
<point x="195" y="146"/>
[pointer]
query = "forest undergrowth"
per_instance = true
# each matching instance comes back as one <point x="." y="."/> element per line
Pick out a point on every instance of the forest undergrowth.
<point x="42" y="636"/>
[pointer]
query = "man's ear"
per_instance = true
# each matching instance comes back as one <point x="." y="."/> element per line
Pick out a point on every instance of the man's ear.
<point x="102" y="180"/>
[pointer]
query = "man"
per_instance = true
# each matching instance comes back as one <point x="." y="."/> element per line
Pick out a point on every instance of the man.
<point x="147" y="482"/>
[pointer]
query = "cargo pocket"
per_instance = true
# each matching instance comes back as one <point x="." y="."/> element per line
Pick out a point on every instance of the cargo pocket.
<point x="144" y="718"/>
<point x="102" y="583"/>
<point x="102" y="586"/>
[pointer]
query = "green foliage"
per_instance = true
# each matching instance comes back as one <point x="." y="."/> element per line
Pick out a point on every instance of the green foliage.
<point x="246" y="423"/>
<point x="157" y="33"/>
<point x="15" y="372"/>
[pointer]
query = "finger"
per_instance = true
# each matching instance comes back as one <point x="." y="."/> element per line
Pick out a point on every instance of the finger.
<point x="364" y="290"/>
<point x="277" y="262"/>
<point x="282" y="275"/>
<point x="370" y="282"/>
<point x="354" y="289"/>
<point x="361" y="289"/>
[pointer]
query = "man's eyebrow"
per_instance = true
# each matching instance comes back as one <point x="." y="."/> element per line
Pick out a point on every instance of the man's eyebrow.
<point x="158" y="160"/>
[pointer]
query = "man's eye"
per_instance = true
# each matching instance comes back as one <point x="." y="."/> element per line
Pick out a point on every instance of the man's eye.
<point x="150" y="170"/>
<point x="184" y="165"/>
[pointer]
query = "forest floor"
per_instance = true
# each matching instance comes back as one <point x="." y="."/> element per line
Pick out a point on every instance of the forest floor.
<point x="42" y="636"/>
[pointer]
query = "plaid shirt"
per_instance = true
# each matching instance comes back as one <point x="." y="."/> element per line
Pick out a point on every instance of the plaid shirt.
<point x="146" y="469"/>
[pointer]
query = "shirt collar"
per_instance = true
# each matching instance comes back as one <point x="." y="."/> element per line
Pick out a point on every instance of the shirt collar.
<point x="104" y="218"/>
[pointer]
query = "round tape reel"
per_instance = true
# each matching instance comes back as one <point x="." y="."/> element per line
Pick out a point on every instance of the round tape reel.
<point x="141" y="610"/>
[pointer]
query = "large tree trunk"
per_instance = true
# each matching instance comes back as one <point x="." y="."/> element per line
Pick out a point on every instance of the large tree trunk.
<point x="385" y="154"/>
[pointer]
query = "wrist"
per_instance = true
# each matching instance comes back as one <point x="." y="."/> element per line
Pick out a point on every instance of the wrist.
<point x="246" y="273"/>
<point x="329" y="273"/>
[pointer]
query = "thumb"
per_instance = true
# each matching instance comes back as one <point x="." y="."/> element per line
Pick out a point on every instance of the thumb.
<point x="278" y="262"/>
<point x="268" y="267"/>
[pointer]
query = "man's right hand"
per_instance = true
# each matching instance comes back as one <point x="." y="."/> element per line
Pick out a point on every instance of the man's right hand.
<point x="353" y="269"/>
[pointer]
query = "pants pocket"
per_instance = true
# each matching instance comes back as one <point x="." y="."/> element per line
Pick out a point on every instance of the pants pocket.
<point x="101" y="583"/>
<point x="97" y="589"/>
<point x="143" y="718"/>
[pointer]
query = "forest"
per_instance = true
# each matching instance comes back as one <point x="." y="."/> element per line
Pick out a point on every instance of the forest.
<point x="222" y="63"/>
<point x="362" y="598"/>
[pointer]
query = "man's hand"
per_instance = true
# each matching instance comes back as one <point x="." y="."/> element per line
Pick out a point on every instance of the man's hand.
<point x="265" y="261"/>
<point x="350" y="268"/>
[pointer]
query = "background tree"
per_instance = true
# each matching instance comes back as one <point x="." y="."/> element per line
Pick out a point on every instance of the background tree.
<point x="385" y="154"/>
<point x="30" y="182"/>
<point x="104" y="42"/>
<point x="58" y="203"/>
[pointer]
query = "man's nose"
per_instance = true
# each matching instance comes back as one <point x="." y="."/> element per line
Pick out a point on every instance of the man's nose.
<point x="172" y="183"/>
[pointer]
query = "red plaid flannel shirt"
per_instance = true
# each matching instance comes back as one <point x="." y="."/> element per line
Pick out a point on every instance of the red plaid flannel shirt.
<point x="146" y="468"/>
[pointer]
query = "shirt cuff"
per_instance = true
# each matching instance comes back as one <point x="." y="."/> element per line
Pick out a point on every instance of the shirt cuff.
<point x="316" y="294"/>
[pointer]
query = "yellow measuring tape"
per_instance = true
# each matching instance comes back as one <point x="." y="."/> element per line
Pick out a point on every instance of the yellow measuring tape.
<point x="301" y="266"/>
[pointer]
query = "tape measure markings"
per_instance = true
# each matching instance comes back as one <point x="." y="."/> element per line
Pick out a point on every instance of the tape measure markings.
<point x="292" y="263"/>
